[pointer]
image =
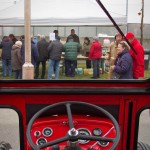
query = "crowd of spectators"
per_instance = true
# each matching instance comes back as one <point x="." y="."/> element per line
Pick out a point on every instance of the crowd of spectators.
<point x="123" y="62"/>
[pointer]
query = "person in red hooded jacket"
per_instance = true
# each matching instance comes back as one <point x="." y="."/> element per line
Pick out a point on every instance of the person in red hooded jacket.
<point x="95" y="55"/>
<point x="138" y="59"/>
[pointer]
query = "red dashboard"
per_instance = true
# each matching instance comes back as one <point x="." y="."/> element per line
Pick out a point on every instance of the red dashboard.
<point x="47" y="129"/>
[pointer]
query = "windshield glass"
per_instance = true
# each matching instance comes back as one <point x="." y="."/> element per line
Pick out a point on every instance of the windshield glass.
<point x="84" y="46"/>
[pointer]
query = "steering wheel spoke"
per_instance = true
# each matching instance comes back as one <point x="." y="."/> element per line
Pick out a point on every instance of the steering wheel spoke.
<point x="54" y="142"/>
<point x="70" y="119"/>
<point x="95" y="138"/>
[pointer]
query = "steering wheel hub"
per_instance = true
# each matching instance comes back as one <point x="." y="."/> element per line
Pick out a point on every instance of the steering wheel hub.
<point x="73" y="132"/>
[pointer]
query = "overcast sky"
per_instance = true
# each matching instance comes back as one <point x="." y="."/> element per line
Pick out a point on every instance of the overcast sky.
<point x="114" y="7"/>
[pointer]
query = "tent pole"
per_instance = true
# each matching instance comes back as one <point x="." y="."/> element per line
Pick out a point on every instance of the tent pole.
<point x="2" y="31"/>
<point x="28" y="68"/>
<point x="33" y="31"/>
<point x="96" y="31"/>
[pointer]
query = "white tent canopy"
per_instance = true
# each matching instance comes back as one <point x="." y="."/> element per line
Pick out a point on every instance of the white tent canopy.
<point x="59" y="13"/>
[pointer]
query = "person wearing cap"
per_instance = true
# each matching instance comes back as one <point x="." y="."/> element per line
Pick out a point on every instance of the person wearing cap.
<point x="138" y="59"/>
<point x="112" y="49"/>
<point x="16" y="60"/>
<point x="70" y="49"/>
<point x="122" y="68"/>
<point x="95" y="55"/>
<point x="54" y="50"/>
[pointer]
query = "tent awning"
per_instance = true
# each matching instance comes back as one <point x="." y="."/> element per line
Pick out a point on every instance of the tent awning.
<point x="59" y="13"/>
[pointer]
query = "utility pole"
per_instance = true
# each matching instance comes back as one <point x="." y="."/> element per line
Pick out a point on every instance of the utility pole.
<point x="28" y="68"/>
<point x="141" y="13"/>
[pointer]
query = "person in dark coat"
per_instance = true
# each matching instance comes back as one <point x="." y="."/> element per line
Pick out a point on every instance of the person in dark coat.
<point x="6" y="46"/>
<point x="16" y="60"/>
<point x="42" y="46"/>
<point x="34" y="52"/>
<point x="86" y="50"/>
<point x="95" y="55"/>
<point x="56" y="33"/>
<point x="122" y="69"/>
<point x="138" y="59"/>
<point x="55" y="50"/>
<point x="75" y="37"/>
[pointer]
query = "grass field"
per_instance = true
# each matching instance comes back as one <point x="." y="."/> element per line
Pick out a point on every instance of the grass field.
<point x="80" y="77"/>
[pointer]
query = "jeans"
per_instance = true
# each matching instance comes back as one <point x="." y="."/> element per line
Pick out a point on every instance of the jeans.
<point x="53" y="64"/>
<point x="37" y="69"/>
<point x="18" y="74"/>
<point x="70" y="66"/>
<point x="96" y="72"/>
<point x="6" y="63"/>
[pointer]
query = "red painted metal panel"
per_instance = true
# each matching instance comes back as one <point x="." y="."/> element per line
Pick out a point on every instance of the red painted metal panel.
<point x="138" y="100"/>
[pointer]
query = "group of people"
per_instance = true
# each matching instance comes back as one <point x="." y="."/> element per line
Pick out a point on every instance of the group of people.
<point x="13" y="55"/>
<point x="124" y="62"/>
<point x="7" y="45"/>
